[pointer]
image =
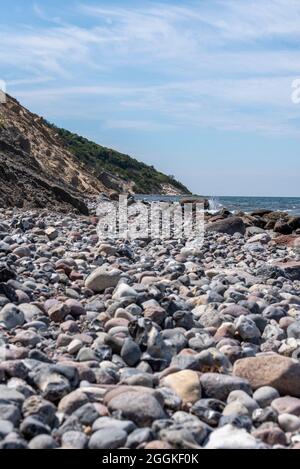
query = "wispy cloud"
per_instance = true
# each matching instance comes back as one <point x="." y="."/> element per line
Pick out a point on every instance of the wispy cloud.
<point x="222" y="64"/>
<point x="136" y="125"/>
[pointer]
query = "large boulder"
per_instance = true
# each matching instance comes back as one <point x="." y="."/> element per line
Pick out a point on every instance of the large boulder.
<point x="282" y="227"/>
<point x="282" y="373"/>
<point x="229" y="226"/>
<point x="294" y="222"/>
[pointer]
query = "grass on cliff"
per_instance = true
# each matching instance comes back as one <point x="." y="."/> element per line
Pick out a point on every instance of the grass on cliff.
<point x="146" y="178"/>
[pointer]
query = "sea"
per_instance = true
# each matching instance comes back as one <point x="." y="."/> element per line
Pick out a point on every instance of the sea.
<point x="236" y="204"/>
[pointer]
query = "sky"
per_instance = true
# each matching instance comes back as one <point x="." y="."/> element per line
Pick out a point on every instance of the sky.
<point x="201" y="89"/>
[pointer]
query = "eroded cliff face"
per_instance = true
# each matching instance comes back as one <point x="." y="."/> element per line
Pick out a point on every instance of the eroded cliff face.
<point x="38" y="170"/>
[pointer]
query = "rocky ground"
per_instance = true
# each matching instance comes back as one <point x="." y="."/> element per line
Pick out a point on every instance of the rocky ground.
<point x="148" y="344"/>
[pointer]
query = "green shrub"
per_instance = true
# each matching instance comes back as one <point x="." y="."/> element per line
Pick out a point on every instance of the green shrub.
<point x="146" y="178"/>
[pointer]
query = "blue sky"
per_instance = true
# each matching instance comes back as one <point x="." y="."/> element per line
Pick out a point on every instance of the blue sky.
<point x="200" y="89"/>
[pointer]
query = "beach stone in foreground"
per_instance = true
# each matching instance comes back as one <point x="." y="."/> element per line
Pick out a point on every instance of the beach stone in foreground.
<point x="289" y="423"/>
<point x="102" y="278"/>
<point x="230" y="437"/>
<point x="287" y="405"/>
<point x="108" y="438"/>
<point x="274" y="370"/>
<point x="186" y="384"/>
<point x="43" y="442"/>
<point x="11" y="316"/>
<point x="265" y="396"/>
<point x="142" y="408"/>
<point x="218" y="386"/>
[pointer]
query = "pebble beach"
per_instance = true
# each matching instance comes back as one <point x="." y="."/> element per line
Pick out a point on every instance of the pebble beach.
<point x="148" y="344"/>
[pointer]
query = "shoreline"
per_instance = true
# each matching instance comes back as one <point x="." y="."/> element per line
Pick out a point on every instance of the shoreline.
<point x="235" y="204"/>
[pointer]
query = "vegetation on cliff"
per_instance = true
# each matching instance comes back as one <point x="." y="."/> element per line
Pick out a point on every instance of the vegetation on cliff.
<point x="97" y="158"/>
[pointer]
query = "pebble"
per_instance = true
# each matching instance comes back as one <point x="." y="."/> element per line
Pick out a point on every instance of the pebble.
<point x="72" y="401"/>
<point x="10" y="396"/>
<point x="10" y="413"/>
<point x="242" y="397"/>
<point x="6" y="427"/>
<point x="282" y="373"/>
<point x="32" y="426"/>
<point x="247" y="328"/>
<point x="293" y="330"/>
<point x="186" y="384"/>
<point x="139" y="407"/>
<point x="124" y="291"/>
<point x="87" y="414"/>
<point x="36" y="406"/>
<point x="43" y="442"/>
<point x="108" y="422"/>
<point x="130" y="353"/>
<point x="265" y="395"/>
<point x="139" y="436"/>
<point x="108" y="438"/>
<point x="52" y="233"/>
<point x="287" y="405"/>
<point x="267" y="414"/>
<point x="270" y="434"/>
<point x="74" y="440"/>
<point x="103" y="278"/>
<point x="218" y="386"/>
<point x="235" y="409"/>
<point x="74" y="346"/>
<point x="11" y="316"/>
<point x="31" y="312"/>
<point x="58" y="312"/>
<point x="289" y="423"/>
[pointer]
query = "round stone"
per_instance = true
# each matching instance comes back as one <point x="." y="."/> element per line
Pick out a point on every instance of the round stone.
<point x="218" y="386"/>
<point x="265" y="395"/>
<point x="108" y="438"/>
<point x="293" y="330"/>
<point x="6" y="427"/>
<point x="109" y="422"/>
<point x="244" y="399"/>
<point x="231" y="437"/>
<point x="32" y="426"/>
<point x="186" y="385"/>
<point x="287" y="405"/>
<point x="131" y="352"/>
<point x="103" y="278"/>
<point x="43" y="442"/>
<point x="289" y="423"/>
<point x="235" y="409"/>
<point x="139" y="407"/>
<point x="11" y="316"/>
<point x="74" y="440"/>
<point x="247" y="328"/>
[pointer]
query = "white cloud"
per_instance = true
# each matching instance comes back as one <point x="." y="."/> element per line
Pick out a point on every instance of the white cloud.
<point x="137" y="125"/>
<point x="220" y="64"/>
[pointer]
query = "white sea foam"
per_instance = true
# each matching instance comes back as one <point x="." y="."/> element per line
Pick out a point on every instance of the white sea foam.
<point x="214" y="205"/>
